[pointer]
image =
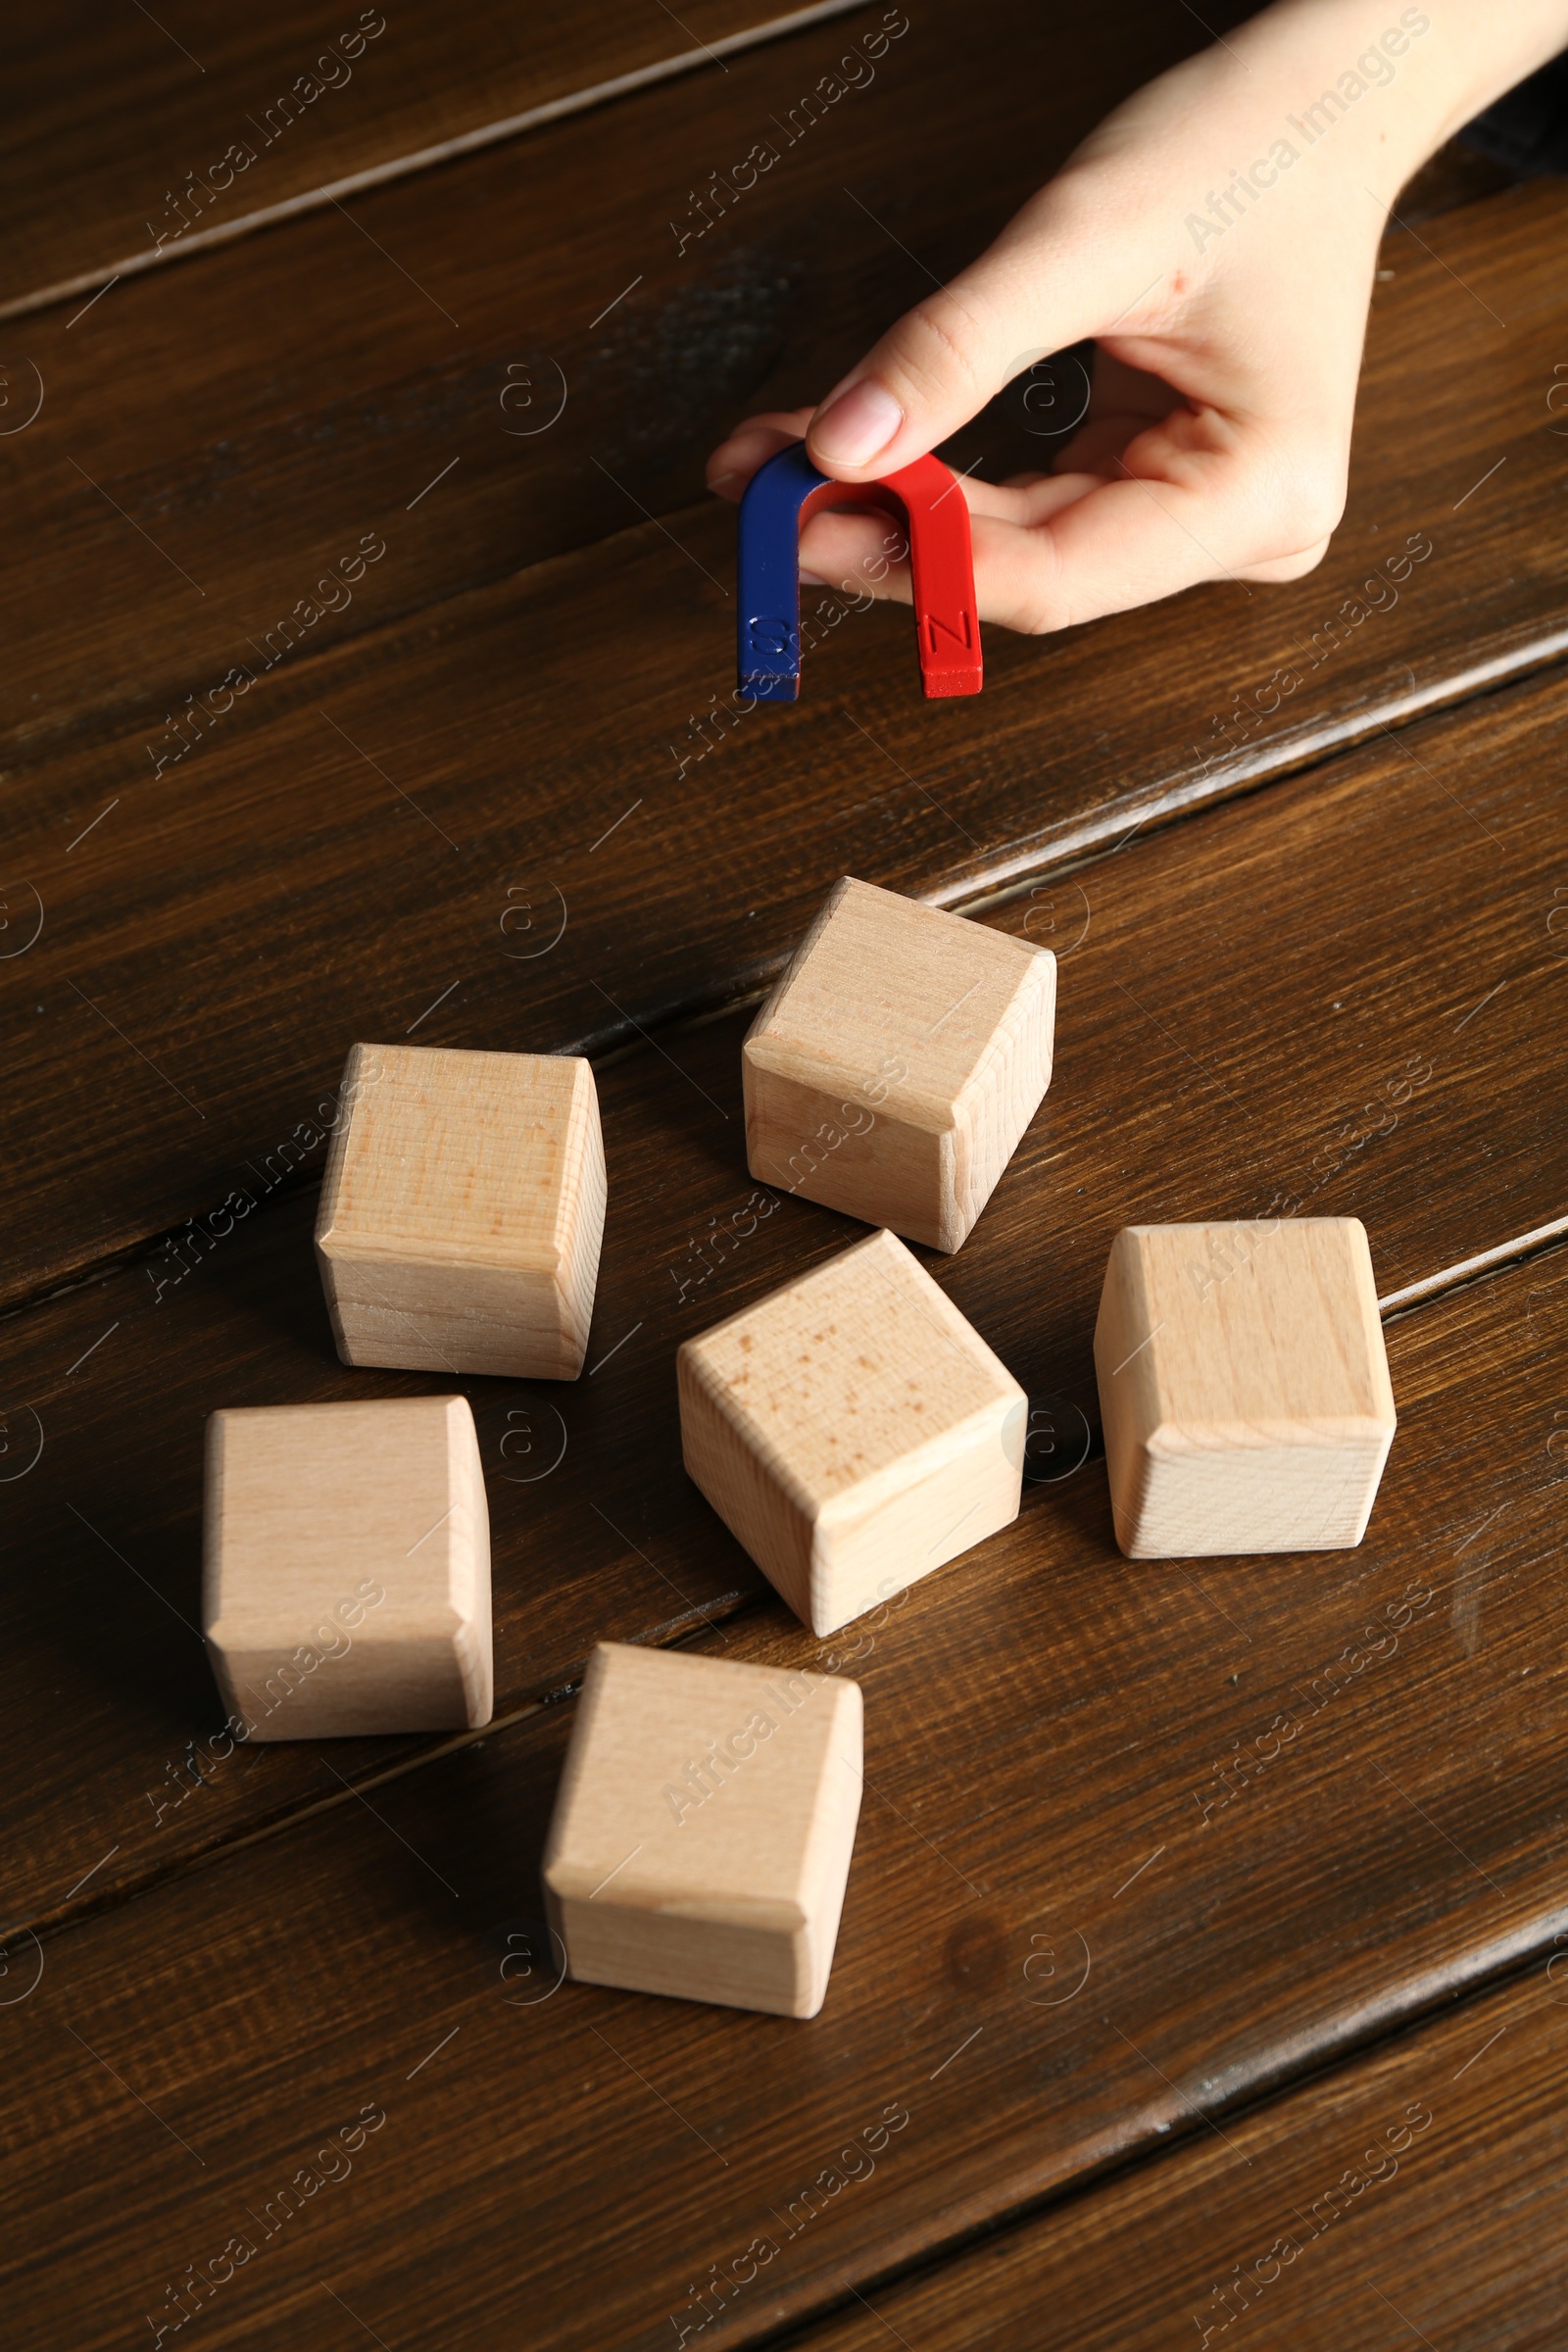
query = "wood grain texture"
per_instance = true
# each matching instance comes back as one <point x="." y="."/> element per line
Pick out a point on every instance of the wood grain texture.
<point x="474" y="404"/>
<point x="1411" y="2195"/>
<point x="852" y="1432"/>
<point x="346" y="1570"/>
<point x="1140" y="1848"/>
<point x="253" y="119"/>
<point x="276" y="894"/>
<point x="1128" y="1847"/>
<point x="463" y="1212"/>
<point x="1244" y="1387"/>
<point x="701" y="1840"/>
<point x="1239" y="993"/>
<point x="937" y="1032"/>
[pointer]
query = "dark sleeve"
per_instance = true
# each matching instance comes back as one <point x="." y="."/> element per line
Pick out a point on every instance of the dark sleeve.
<point x="1526" y="130"/>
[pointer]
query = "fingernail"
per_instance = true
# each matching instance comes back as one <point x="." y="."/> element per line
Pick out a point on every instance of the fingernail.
<point x="813" y="579"/>
<point x="852" y="429"/>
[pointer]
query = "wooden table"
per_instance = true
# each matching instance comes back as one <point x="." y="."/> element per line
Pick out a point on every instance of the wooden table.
<point x="1145" y="2019"/>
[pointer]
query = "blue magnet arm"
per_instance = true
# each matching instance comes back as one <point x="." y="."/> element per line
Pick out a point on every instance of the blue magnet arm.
<point x="768" y="615"/>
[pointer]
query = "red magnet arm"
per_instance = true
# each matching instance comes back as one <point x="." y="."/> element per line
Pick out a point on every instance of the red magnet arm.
<point x="941" y="562"/>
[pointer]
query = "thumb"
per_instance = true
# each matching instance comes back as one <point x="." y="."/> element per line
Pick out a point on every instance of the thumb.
<point x="944" y="359"/>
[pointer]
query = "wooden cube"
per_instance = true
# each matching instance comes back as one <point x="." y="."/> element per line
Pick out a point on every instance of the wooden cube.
<point x="346" y="1581"/>
<point x="461" y="1212"/>
<point x="1244" y="1386"/>
<point x="701" y="1835"/>
<point x="852" y="1430"/>
<point x="896" y="1063"/>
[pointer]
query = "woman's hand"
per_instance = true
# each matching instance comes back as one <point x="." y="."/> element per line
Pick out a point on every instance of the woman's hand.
<point x="1216" y="237"/>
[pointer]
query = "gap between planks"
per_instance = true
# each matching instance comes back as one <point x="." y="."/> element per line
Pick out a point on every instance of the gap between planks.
<point x="1354" y="2047"/>
<point x="725" y="1609"/>
<point x="1328" y="2066"/>
<point x="444" y="151"/>
<point x="689" y="1626"/>
<point x="1082" y="841"/>
<point x="1081" y="845"/>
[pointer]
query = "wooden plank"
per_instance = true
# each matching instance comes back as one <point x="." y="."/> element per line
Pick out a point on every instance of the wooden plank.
<point x="255" y="118"/>
<point x="334" y="381"/>
<point x="1243" y="985"/>
<point x="565" y="370"/>
<point x="505" y="804"/>
<point x="1314" y="2220"/>
<point x="1064" y="1930"/>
